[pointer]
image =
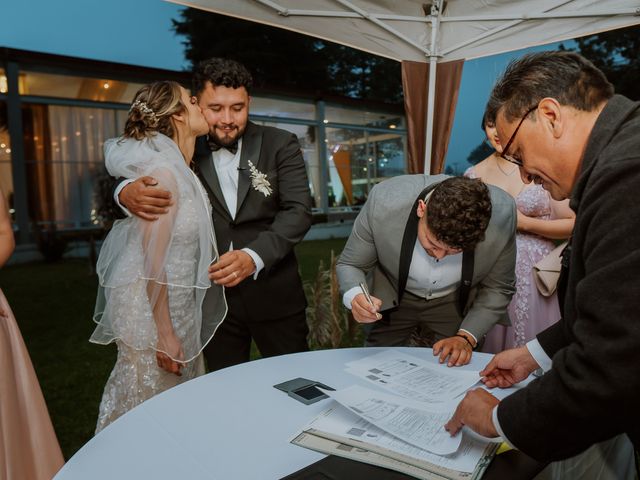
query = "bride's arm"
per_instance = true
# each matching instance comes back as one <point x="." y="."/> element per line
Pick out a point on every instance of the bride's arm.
<point x="156" y="240"/>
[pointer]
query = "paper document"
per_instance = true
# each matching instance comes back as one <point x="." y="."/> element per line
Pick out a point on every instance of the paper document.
<point x="333" y="447"/>
<point x="412" y="377"/>
<point x="419" y="424"/>
<point x="339" y="424"/>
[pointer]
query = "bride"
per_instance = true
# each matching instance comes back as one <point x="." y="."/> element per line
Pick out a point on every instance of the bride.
<point x="153" y="274"/>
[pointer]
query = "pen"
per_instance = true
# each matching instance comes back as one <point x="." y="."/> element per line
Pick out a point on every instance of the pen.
<point x="365" y="290"/>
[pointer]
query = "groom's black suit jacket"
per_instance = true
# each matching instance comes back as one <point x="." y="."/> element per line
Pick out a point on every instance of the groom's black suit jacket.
<point x="269" y="225"/>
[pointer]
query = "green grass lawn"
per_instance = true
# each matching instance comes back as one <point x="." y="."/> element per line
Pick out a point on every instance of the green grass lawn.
<point x="53" y="304"/>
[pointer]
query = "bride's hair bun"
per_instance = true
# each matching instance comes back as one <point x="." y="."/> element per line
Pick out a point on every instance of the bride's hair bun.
<point x="152" y="108"/>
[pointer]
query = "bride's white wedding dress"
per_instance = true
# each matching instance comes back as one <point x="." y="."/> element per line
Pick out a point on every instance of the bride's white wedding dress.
<point x="143" y="264"/>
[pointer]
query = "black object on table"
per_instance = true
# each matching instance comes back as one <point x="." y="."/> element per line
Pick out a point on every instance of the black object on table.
<point x="513" y="465"/>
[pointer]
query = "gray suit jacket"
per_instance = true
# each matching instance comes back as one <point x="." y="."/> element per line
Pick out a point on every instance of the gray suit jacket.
<point x="373" y="249"/>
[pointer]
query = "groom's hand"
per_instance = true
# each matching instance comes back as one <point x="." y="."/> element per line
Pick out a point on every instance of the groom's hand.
<point x="144" y="199"/>
<point x="232" y="268"/>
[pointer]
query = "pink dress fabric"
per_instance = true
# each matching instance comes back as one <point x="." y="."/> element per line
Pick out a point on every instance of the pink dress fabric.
<point x="29" y="448"/>
<point x="529" y="312"/>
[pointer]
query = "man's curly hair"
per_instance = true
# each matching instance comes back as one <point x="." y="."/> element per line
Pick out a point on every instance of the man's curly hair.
<point x="221" y="72"/>
<point x="458" y="212"/>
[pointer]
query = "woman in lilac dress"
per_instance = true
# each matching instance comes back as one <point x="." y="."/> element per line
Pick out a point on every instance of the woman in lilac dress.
<point x="540" y="221"/>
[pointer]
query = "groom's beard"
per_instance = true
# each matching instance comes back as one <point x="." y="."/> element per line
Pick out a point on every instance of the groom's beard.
<point x="226" y="135"/>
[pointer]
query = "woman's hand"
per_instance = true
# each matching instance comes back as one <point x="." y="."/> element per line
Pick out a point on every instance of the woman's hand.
<point x="171" y="344"/>
<point x="523" y="222"/>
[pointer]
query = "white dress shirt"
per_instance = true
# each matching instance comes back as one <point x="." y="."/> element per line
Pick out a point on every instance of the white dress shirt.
<point x="431" y="278"/>
<point x="226" y="165"/>
<point x="545" y="363"/>
<point x="428" y="277"/>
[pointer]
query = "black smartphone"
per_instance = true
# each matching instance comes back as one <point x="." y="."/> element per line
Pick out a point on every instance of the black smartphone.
<point x="308" y="394"/>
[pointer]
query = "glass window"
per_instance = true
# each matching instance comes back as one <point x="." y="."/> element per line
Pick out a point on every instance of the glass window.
<point x="96" y="89"/>
<point x="360" y="159"/>
<point x="273" y="107"/>
<point x="6" y="173"/>
<point x="4" y="87"/>
<point x="307" y="137"/>
<point x="64" y="158"/>
<point x="363" y="117"/>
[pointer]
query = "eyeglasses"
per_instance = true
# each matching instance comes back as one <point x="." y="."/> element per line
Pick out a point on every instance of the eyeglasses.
<point x="511" y="158"/>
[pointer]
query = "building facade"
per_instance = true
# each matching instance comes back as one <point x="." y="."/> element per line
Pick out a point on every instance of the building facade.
<point x="56" y="112"/>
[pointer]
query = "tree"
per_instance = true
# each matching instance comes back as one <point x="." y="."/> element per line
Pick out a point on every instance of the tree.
<point x="289" y="60"/>
<point x="617" y="54"/>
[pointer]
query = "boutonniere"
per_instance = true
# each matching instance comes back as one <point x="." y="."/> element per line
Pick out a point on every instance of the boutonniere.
<point x="259" y="181"/>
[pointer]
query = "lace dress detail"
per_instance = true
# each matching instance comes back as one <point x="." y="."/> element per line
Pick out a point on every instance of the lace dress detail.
<point x="529" y="312"/>
<point x="136" y="376"/>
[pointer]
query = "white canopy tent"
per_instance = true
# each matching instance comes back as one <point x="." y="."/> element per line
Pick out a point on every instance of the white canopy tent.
<point x="434" y="30"/>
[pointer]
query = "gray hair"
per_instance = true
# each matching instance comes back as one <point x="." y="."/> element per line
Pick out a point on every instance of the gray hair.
<point x="566" y="76"/>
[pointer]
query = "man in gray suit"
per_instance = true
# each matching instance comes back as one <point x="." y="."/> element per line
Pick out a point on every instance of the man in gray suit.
<point x="439" y="256"/>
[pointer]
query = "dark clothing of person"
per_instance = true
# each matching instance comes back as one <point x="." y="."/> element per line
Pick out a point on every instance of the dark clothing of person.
<point x="270" y="225"/>
<point x="592" y="391"/>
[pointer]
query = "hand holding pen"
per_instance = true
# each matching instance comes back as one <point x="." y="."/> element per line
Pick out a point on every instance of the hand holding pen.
<point x="364" y="307"/>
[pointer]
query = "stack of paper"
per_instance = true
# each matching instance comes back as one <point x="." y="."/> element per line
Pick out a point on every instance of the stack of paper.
<point x="403" y="433"/>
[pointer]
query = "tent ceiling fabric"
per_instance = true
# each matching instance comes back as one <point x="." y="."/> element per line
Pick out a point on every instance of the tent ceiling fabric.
<point x="401" y="30"/>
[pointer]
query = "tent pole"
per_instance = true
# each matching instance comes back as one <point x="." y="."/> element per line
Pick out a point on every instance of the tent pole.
<point x="431" y="92"/>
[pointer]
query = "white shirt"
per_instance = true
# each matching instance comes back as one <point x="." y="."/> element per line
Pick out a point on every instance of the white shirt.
<point x="545" y="363"/>
<point x="428" y="277"/>
<point x="226" y="165"/>
<point x="431" y="278"/>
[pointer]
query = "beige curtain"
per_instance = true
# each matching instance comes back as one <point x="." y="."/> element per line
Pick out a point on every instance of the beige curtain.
<point x="415" y="76"/>
<point x="28" y="445"/>
<point x="342" y="161"/>
<point x="37" y="148"/>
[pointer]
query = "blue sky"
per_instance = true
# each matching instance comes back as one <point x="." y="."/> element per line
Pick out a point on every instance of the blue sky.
<point x="478" y="77"/>
<point x="138" y="32"/>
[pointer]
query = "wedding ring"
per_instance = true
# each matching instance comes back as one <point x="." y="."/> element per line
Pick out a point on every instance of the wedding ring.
<point x="235" y="274"/>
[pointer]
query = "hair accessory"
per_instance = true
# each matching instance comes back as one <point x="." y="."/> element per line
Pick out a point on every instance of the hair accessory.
<point x="144" y="108"/>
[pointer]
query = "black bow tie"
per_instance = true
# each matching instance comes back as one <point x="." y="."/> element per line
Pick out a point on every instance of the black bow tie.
<point x="233" y="148"/>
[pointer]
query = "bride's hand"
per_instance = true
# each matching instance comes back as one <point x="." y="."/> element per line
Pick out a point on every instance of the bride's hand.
<point x="170" y="344"/>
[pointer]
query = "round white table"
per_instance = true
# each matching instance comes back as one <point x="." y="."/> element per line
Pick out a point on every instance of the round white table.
<point x="229" y="424"/>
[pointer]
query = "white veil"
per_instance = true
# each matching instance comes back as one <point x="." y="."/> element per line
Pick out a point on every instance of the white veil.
<point x="141" y="263"/>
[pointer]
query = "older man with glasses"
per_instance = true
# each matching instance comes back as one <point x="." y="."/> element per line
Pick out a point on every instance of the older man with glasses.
<point x="563" y="126"/>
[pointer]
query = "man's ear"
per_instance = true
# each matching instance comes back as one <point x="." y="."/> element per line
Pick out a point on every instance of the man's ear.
<point x="551" y="112"/>
<point x="422" y="209"/>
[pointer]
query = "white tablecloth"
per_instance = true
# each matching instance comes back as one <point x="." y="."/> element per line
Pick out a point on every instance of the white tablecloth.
<point x="230" y="424"/>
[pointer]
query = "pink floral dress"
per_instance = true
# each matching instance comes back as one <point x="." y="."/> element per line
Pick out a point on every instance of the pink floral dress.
<point x="530" y="312"/>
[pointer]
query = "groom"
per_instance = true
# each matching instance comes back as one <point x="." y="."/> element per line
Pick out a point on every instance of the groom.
<point x="257" y="184"/>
